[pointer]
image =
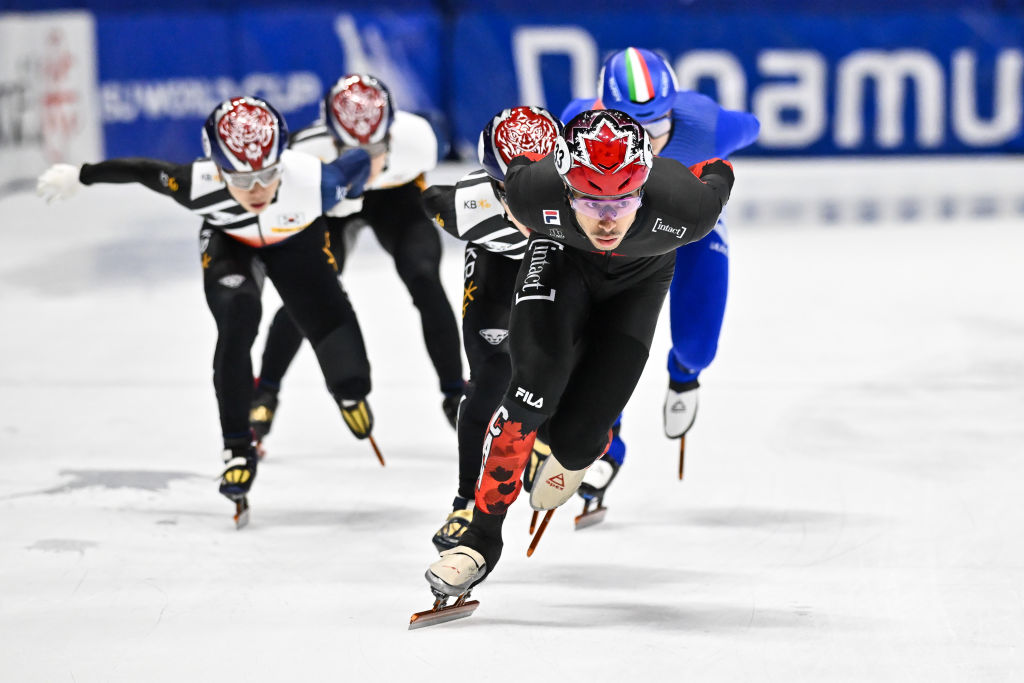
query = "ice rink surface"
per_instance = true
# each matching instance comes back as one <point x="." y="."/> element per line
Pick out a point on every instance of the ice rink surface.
<point x="852" y="507"/>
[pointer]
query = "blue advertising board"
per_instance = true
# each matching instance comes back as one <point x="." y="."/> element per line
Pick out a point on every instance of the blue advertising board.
<point x="160" y="75"/>
<point x="825" y="82"/>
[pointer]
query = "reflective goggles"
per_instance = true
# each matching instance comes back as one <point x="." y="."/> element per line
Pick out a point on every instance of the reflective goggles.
<point x="606" y="208"/>
<point x="245" y="180"/>
<point x="659" y="126"/>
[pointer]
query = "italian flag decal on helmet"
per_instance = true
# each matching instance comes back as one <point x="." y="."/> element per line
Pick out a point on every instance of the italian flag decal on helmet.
<point x="641" y="88"/>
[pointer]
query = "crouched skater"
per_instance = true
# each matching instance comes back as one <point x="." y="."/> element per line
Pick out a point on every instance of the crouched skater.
<point x="606" y="217"/>
<point x="261" y="206"/>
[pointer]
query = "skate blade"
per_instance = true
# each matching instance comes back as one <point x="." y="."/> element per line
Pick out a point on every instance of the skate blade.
<point x="540" y="532"/>
<point x="376" y="451"/>
<point x="590" y="518"/>
<point x="682" y="455"/>
<point x="440" y="615"/>
<point x="241" y="513"/>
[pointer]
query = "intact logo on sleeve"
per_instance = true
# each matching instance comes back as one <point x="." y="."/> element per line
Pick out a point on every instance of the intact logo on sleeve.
<point x="536" y="285"/>
<point x="665" y="227"/>
<point x="551" y="217"/>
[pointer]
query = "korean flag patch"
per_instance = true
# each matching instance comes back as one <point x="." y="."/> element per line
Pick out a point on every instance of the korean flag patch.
<point x="551" y="217"/>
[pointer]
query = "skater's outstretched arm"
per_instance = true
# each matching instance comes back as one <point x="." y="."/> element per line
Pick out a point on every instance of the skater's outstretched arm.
<point x="471" y="211"/>
<point x="61" y="181"/>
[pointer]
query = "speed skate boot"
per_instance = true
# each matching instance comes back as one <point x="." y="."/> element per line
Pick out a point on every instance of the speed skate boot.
<point x="467" y="564"/>
<point x="553" y="484"/>
<point x="452" y="577"/>
<point x="598" y="477"/>
<point x="357" y="416"/>
<point x="239" y="471"/>
<point x="459" y="569"/>
<point x="595" y="483"/>
<point x="456" y="571"/>
<point x="237" y="477"/>
<point x="680" y="407"/>
<point x="455" y="525"/>
<point x="538" y="455"/>
<point x="261" y="413"/>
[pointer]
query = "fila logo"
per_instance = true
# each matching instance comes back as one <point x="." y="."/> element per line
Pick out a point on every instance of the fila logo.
<point x="528" y="398"/>
<point x="494" y="336"/>
<point x="557" y="481"/>
<point x="551" y="217"/>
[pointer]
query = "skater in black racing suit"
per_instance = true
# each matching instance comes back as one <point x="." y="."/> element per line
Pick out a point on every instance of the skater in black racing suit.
<point x="261" y="206"/>
<point x="606" y="218"/>
<point x="358" y="112"/>
<point x="473" y="210"/>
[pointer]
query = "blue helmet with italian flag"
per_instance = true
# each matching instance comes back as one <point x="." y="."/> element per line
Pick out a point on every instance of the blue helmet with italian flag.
<point x="638" y="82"/>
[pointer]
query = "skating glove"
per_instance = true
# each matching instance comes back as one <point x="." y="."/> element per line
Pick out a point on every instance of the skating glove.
<point x="714" y="166"/>
<point x="60" y="181"/>
<point x="353" y="167"/>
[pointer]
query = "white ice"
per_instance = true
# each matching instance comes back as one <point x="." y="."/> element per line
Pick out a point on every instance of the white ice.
<point x="852" y="507"/>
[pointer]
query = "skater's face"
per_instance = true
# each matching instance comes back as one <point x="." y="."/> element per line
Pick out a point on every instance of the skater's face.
<point x="606" y="221"/>
<point x="257" y="198"/>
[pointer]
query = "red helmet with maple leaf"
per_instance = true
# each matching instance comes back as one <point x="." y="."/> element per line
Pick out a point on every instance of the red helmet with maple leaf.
<point x="604" y="153"/>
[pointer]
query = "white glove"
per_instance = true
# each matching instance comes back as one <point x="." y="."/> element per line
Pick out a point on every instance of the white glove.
<point x="60" y="181"/>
